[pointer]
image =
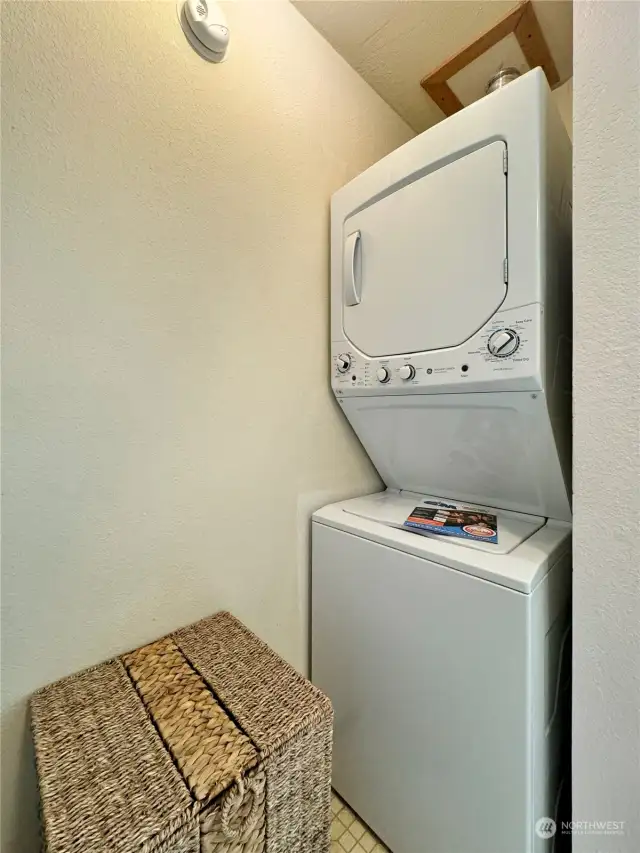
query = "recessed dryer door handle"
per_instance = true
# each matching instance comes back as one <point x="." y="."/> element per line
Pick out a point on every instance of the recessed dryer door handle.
<point x="351" y="270"/>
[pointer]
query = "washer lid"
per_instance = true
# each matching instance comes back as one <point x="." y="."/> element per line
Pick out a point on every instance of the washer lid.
<point x="393" y="509"/>
<point x="377" y="519"/>
<point x="423" y="267"/>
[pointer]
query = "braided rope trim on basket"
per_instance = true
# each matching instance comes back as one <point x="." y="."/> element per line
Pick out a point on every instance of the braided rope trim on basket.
<point x="236" y="823"/>
<point x="270" y="700"/>
<point x="207" y="746"/>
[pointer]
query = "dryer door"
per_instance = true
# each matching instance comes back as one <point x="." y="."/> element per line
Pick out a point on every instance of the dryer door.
<point x="424" y="267"/>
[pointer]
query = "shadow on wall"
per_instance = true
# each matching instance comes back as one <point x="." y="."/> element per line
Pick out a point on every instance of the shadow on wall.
<point x="19" y="777"/>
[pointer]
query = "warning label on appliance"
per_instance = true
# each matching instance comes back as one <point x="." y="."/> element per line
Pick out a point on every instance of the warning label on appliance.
<point x="458" y="520"/>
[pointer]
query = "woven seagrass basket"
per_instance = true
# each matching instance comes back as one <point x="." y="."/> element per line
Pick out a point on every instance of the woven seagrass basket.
<point x="202" y="742"/>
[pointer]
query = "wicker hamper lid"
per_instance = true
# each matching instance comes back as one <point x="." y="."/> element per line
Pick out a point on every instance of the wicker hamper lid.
<point x="130" y="752"/>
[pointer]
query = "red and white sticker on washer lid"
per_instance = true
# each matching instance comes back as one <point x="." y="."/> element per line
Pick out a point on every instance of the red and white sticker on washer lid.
<point x="458" y="520"/>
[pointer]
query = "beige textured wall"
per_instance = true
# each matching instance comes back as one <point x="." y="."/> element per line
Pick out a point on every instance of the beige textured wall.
<point x="606" y="572"/>
<point x="168" y="420"/>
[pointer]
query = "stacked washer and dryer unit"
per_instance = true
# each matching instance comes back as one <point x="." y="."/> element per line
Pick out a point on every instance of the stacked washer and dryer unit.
<point x="450" y="330"/>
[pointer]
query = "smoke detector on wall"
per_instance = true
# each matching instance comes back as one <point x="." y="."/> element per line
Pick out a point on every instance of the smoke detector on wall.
<point x="205" y="27"/>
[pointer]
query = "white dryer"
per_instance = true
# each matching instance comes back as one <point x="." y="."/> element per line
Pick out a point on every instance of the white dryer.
<point x="451" y="305"/>
<point x="451" y="341"/>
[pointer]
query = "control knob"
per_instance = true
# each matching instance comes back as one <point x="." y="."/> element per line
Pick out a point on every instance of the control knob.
<point x="502" y="343"/>
<point x="343" y="362"/>
<point x="383" y="375"/>
<point x="406" y="372"/>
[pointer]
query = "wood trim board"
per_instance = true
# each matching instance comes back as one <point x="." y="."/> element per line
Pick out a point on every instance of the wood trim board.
<point x="523" y="23"/>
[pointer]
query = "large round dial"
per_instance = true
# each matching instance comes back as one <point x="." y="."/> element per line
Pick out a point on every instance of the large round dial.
<point x="406" y="372"/>
<point x="343" y="362"/>
<point x="383" y="375"/>
<point x="502" y="343"/>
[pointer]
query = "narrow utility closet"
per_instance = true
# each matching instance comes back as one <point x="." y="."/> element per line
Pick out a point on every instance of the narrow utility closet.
<point x="289" y="331"/>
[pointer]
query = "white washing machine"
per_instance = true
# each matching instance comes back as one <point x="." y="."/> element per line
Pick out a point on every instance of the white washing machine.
<point x="442" y="661"/>
<point x="451" y="341"/>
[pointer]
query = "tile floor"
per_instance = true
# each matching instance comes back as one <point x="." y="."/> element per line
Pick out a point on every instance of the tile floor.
<point x="349" y="834"/>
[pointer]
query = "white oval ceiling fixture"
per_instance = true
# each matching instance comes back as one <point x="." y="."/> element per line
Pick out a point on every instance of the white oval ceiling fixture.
<point x="205" y="26"/>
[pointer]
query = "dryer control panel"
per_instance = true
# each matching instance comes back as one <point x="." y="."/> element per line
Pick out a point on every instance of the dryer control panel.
<point x="503" y="355"/>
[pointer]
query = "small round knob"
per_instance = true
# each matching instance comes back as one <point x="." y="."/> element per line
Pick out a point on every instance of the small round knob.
<point x="383" y="375"/>
<point x="407" y="371"/>
<point x="502" y="343"/>
<point x="343" y="362"/>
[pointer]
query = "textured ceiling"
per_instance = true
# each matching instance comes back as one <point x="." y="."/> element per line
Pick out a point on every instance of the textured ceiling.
<point x="394" y="43"/>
